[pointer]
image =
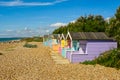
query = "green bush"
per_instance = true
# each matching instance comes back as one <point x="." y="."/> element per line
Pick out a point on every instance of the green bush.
<point x="30" y="45"/>
<point x="27" y="39"/>
<point x="89" y="62"/>
<point x="108" y="59"/>
<point x="37" y="39"/>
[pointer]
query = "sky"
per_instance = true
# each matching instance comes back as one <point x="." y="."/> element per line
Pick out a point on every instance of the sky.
<point x="26" y="18"/>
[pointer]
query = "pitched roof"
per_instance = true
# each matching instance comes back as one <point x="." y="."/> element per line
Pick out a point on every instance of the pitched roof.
<point x="46" y="36"/>
<point x="62" y="36"/>
<point x="56" y="36"/>
<point x="89" y="36"/>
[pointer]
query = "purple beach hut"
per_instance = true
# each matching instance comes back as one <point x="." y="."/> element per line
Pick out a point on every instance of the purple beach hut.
<point x="88" y="45"/>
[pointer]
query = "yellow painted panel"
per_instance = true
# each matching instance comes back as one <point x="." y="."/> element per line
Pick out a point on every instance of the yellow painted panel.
<point x="66" y="43"/>
<point x="62" y="43"/>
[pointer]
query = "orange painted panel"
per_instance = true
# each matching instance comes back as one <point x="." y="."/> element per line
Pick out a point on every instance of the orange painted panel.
<point x="55" y="47"/>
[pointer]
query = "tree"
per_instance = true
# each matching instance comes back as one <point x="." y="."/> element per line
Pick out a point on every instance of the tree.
<point x="114" y="26"/>
<point x="117" y="15"/>
<point x="89" y="23"/>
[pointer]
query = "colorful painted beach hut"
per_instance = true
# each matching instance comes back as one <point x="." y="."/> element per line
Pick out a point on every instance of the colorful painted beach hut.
<point x="56" y="42"/>
<point x="62" y="43"/>
<point x="45" y="40"/>
<point x="53" y="41"/>
<point x="88" y="45"/>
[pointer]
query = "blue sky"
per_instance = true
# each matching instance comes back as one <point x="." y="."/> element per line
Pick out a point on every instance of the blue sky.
<point x="38" y="17"/>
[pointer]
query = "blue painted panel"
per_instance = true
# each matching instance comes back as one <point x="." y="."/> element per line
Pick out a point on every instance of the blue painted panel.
<point x="63" y="52"/>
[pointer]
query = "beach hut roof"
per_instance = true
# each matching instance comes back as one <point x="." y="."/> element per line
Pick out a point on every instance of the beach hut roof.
<point x="56" y="36"/>
<point x="46" y="36"/>
<point x="89" y="36"/>
<point x="63" y="36"/>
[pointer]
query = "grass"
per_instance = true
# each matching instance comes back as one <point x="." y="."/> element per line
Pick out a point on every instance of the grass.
<point x="9" y="49"/>
<point x="108" y="59"/>
<point x="33" y="39"/>
<point x="29" y="45"/>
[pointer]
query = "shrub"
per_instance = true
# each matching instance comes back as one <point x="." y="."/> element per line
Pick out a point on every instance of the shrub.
<point x="108" y="59"/>
<point x="30" y="45"/>
<point x="37" y="39"/>
<point x="27" y="39"/>
<point x="89" y="62"/>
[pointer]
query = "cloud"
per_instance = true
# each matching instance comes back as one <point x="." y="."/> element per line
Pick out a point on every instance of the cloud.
<point x="27" y="29"/>
<point x="72" y="21"/>
<point x="4" y="34"/>
<point x="22" y="3"/>
<point x="9" y="30"/>
<point x="107" y="19"/>
<point x="58" y="24"/>
<point x="25" y="32"/>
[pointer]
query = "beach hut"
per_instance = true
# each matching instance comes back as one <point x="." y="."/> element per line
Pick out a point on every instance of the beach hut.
<point x="88" y="45"/>
<point x="45" y="40"/>
<point x="63" y="44"/>
<point x="67" y="45"/>
<point x="56" y="42"/>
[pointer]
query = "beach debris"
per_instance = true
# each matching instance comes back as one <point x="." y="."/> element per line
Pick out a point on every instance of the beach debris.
<point x="1" y="53"/>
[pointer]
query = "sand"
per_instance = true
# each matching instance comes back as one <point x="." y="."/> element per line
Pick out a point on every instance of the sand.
<point x="20" y="63"/>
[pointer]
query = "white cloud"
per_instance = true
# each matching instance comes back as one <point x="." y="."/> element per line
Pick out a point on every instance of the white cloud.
<point x="26" y="29"/>
<point x="72" y="21"/>
<point x="107" y="19"/>
<point x="22" y="3"/>
<point x="9" y="30"/>
<point x="58" y="24"/>
<point x="47" y="31"/>
<point x="25" y="32"/>
<point x="4" y="34"/>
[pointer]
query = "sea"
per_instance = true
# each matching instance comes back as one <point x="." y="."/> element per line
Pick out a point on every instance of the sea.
<point x="8" y="39"/>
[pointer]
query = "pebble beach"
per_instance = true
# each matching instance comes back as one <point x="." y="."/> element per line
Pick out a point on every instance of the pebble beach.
<point x="21" y="63"/>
